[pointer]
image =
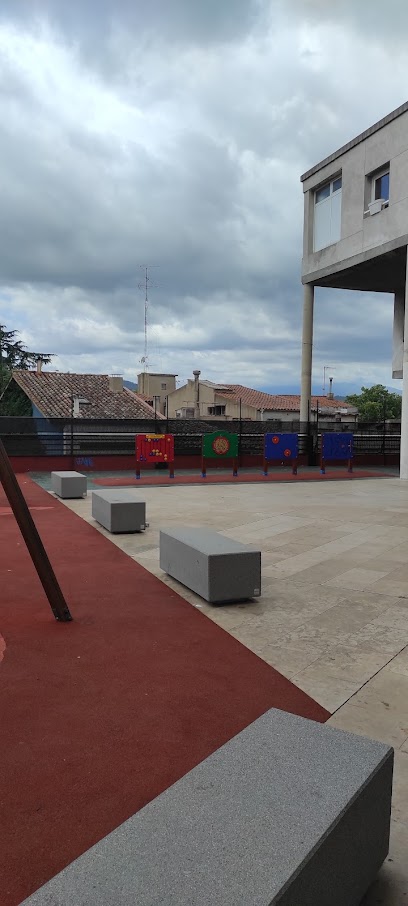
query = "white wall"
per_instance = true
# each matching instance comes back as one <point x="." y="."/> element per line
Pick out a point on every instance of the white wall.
<point x="361" y="232"/>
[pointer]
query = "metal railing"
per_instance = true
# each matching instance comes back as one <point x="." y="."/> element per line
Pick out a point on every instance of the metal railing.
<point x="59" y="437"/>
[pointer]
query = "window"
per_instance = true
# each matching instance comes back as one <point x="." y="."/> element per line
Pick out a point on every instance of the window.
<point x="164" y="386"/>
<point x="327" y="214"/>
<point x="185" y="412"/>
<point x="377" y="191"/>
<point x="216" y="410"/>
<point x="381" y="186"/>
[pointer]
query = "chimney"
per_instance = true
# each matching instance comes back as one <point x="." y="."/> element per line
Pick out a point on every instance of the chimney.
<point x="196" y="374"/>
<point x="76" y="403"/>
<point x="115" y="383"/>
<point x="330" y="394"/>
<point x="39" y="365"/>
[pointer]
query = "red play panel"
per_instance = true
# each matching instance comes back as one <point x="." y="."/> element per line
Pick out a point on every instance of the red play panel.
<point x="100" y="715"/>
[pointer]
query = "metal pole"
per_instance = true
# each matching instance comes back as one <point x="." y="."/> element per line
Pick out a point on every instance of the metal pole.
<point x="32" y="539"/>
<point x="384" y="429"/>
<point x="1" y="370"/>
<point x="307" y="346"/>
<point x="404" y="405"/>
<point x="240" y="434"/>
<point x="72" y="430"/>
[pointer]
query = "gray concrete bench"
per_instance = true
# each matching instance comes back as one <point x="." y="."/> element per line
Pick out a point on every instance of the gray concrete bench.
<point x="69" y="484"/>
<point x="213" y="566"/>
<point x="288" y="812"/>
<point x="118" y="510"/>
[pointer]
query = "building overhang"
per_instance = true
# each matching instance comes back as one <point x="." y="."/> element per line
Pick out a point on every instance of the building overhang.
<point x="377" y="270"/>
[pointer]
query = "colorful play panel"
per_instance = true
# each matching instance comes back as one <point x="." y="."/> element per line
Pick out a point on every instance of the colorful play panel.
<point x="337" y="448"/>
<point x="154" y="448"/>
<point x="283" y="448"/>
<point x="220" y="445"/>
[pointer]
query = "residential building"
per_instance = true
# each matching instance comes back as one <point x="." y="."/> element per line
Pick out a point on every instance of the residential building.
<point x="212" y="401"/>
<point x="155" y="388"/>
<point x="57" y="395"/>
<point x="356" y="237"/>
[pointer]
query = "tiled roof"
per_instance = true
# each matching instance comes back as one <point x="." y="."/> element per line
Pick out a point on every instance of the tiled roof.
<point x="276" y="403"/>
<point x="51" y="392"/>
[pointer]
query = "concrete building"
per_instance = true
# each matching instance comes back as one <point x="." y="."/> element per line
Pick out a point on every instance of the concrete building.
<point x="356" y="237"/>
<point x="222" y="402"/>
<point x="155" y="388"/>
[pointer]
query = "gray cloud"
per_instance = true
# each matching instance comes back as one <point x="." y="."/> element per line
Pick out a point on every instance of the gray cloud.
<point x="373" y="19"/>
<point x="179" y="21"/>
<point x="175" y="134"/>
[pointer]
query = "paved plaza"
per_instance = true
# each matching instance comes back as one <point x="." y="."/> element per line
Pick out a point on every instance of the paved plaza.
<point x="333" y="615"/>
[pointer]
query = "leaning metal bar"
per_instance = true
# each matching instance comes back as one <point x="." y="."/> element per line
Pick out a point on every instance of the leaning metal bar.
<point x="32" y="539"/>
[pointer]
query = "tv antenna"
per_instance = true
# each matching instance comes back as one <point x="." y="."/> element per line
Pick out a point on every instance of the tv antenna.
<point x="144" y="285"/>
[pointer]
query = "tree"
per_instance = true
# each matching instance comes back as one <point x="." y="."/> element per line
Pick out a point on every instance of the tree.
<point x="14" y="355"/>
<point x="375" y="404"/>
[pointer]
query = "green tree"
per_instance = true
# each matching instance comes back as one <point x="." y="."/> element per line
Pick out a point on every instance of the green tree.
<point x="13" y="356"/>
<point x="375" y="404"/>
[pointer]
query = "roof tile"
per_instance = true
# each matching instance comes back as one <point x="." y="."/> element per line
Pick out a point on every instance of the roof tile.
<point x="52" y="391"/>
<point x="276" y="402"/>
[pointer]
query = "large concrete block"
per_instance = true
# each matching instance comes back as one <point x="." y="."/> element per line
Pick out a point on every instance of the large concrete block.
<point x="69" y="484"/>
<point x="210" y="564"/>
<point x="289" y="812"/>
<point x="118" y="510"/>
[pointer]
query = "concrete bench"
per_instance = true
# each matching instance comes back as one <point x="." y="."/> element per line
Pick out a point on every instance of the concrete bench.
<point x="210" y="564"/>
<point x="118" y="510"/>
<point x="289" y="812"/>
<point x="69" y="484"/>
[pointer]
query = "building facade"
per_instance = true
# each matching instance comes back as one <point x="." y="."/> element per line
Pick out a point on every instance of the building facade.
<point x="155" y="388"/>
<point x="223" y="402"/>
<point x="356" y="237"/>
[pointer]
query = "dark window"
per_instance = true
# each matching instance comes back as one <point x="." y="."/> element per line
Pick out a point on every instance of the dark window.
<point x="322" y="193"/>
<point x="216" y="410"/>
<point x="382" y="187"/>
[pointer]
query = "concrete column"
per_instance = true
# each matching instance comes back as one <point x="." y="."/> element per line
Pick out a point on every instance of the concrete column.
<point x="307" y="346"/>
<point x="398" y="334"/>
<point x="404" y="410"/>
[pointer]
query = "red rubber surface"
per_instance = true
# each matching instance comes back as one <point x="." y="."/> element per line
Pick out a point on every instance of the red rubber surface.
<point x="99" y="716"/>
<point x="162" y="479"/>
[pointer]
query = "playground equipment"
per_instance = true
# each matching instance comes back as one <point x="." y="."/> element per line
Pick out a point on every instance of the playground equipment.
<point x="336" y="447"/>
<point x="220" y="445"/>
<point x="282" y="448"/>
<point x="155" y="448"/>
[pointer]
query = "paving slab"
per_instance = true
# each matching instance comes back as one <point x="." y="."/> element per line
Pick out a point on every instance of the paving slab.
<point x="372" y="517"/>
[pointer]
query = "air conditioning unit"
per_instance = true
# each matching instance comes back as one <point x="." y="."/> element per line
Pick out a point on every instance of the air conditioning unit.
<point x="376" y="206"/>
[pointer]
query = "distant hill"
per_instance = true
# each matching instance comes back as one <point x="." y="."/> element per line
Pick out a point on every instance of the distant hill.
<point x="130" y="385"/>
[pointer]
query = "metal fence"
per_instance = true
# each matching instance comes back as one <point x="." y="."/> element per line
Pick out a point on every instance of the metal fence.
<point x="90" y="437"/>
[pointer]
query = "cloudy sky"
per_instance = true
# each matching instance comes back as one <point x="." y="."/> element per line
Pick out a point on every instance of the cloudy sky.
<point x="173" y="133"/>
